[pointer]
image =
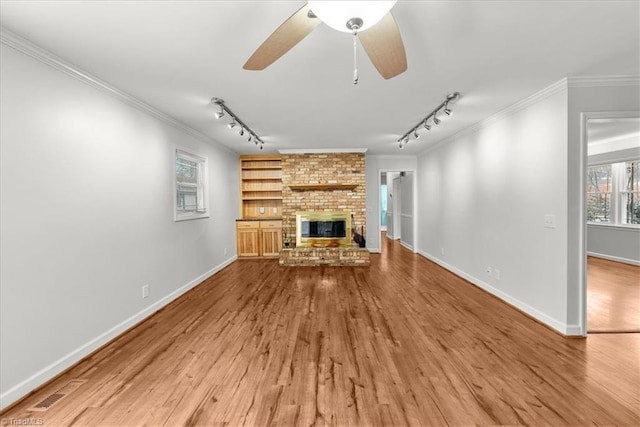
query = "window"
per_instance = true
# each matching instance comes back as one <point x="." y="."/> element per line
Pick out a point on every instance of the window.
<point x="613" y="193"/>
<point x="630" y="193"/>
<point x="191" y="195"/>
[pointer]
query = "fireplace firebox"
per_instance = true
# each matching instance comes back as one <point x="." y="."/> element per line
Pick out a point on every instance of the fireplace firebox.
<point x="323" y="229"/>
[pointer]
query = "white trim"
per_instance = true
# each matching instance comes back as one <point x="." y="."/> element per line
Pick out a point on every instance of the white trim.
<point x="541" y="95"/>
<point x="598" y="81"/>
<point x="30" y="49"/>
<point x="614" y="258"/>
<point x="625" y="227"/>
<point x="321" y="150"/>
<point x="559" y="326"/>
<point x="406" y="245"/>
<point x="36" y="380"/>
<point x="375" y="250"/>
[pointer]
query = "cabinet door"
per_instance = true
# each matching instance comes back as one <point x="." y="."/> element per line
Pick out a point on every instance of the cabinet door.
<point x="248" y="241"/>
<point x="271" y="242"/>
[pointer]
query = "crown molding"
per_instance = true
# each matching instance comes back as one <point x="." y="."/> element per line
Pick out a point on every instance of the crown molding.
<point x="322" y="150"/>
<point x="30" y="49"/>
<point x="598" y="81"/>
<point x="541" y="95"/>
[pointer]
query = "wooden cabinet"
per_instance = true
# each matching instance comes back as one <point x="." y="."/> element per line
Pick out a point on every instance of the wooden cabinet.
<point x="261" y="186"/>
<point x="259" y="238"/>
<point x="248" y="238"/>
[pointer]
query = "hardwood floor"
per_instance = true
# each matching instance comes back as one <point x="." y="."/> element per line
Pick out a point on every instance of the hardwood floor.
<point x="613" y="296"/>
<point x="402" y="342"/>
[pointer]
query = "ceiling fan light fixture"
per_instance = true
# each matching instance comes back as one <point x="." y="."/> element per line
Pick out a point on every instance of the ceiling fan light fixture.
<point x="337" y="14"/>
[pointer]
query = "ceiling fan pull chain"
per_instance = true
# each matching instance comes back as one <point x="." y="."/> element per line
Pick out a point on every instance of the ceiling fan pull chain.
<point x="355" y="58"/>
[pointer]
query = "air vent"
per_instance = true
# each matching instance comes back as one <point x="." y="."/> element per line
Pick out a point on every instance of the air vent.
<point x="58" y="395"/>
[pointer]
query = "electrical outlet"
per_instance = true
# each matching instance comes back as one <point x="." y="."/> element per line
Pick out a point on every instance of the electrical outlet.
<point x="496" y="274"/>
<point x="145" y="291"/>
<point x="442" y="251"/>
<point x="489" y="272"/>
<point x="225" y="251"/>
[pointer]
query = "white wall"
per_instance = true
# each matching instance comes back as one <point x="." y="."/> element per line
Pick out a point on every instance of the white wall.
<point x="87" y="219"/>
<point x="375" y="164"/>
<point x="615" y="243"/>
<point x="482" y="198"/>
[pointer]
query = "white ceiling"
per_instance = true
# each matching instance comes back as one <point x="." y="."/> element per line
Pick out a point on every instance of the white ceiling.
<point x="176" y="56"/>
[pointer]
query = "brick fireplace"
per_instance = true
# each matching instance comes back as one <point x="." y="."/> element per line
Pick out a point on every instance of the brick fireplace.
<point x="323" y="182"/>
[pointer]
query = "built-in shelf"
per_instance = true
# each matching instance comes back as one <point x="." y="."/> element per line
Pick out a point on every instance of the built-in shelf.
<point x="261" y="167"/>
<point x="261" y="198"/>
<point x="322" y="187"/>
<point x="260" y="185"/>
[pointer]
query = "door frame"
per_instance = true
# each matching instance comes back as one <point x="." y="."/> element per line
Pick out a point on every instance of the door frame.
<point x="582" y="238"/>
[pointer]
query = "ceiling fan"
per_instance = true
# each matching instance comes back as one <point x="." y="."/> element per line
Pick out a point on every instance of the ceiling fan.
<point x="370" y="21"/>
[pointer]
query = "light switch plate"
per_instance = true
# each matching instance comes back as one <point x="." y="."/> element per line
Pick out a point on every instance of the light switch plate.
<point x="550" y="221"/>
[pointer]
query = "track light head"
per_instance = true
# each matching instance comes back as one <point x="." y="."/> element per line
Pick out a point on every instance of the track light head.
<point x="232" y="124"/>
<point x="416" y="135"/>
<point x="426" y="126"/>
<point x="241" y="131"/>
<point x="219" y="102"/>
<point x="436" y="120"/>
<point x="250" y="137"/>
<point x="400" y="144"/>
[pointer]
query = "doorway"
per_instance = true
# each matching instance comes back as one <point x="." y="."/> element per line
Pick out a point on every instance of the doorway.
<point x="398" y="222"/>
<point x="612" y="224"/>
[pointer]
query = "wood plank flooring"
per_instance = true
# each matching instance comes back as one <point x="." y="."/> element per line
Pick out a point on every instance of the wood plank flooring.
<point x="613" y="296"/>
<point x="402" y="342"/>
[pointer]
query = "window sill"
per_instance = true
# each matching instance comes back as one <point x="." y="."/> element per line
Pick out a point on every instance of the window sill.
<point x="616" y="226"/>
<point x="187" y="217"/>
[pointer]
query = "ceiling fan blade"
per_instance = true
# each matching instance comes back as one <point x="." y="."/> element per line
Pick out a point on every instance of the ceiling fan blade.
<point x="286" y="36"/>
<point x="383" y="44"/>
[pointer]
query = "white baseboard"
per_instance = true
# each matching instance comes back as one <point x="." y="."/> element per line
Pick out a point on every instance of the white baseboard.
<point x="559" y="326"/>
<point x="375" y="250"/>
<point x="614" y="258"/>
<point x="36" y="380"/>
<point x="406" y="246"/>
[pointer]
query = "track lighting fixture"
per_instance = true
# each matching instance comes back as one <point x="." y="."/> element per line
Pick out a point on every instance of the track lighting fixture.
<point x="444" y="106"/>
<point x="235" y="121"/>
